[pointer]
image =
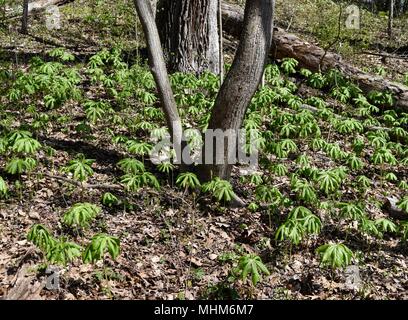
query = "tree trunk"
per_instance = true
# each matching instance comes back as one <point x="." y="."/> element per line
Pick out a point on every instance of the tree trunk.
<point x="24" y="18"/>
<point x="158" y="68"/>
<point x="310" y="56"/>
<point x="390" y="18"/>
<point x="189" y="34"/>
<point x="241" y="83"/>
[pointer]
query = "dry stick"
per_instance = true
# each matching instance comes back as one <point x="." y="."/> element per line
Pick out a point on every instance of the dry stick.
<point x="385" y="55"/>
<point x="290" y="23"/>
<point x="105" y="186"/>
<point x="84" y="184"/>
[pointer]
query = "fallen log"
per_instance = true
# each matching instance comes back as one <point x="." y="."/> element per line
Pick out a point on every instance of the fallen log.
<point x="34" y="6"/>
<point x="315" y="58"/>
<point x="42" y="4"/>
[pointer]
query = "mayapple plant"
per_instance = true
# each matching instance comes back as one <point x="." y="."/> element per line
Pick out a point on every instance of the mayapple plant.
<point x="18" y="166"/>
<point x="335" y="255"/>
<point x="385" y="226"/>
<point x="351" y="211"/>
<point x="81" y="215"/>
<point x="41" y="237"/>
<point x="253" y="265"/>
<point x="289" y="65"/>
<point x="383" y="156"/>
<point x="60" y="251"/>
<point x="109" y="199"/>
<point x="26" y="145"/>
<point x="80" y="167"/>
<point x="188" y="180"/>
<point x="135" y="181"/>
<point x="63" y="252"/>
<point x="308" y="220"/>
<point x="304" y="191"/>
<point x="269" y="194"/>
<point x="291" y="230"/>
<point x="130" y="165"/>
<point x="317" y="80"/>
<point x="138" y="147"/>
<point x="101" y="244"/>
<point x="62" y="54"/>
<point x="165" y="167"/>
<point x="329" y="181"/>
<point x="403" y="204"/>
<point x="279" y="169"/>
<point x="300" y="221"/>
<point x="221" y="189"/>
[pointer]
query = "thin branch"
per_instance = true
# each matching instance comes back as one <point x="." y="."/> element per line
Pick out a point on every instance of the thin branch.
<point x="385" y="55"/>
<point x="337" y="36"/>
<point x="84" y="184"/>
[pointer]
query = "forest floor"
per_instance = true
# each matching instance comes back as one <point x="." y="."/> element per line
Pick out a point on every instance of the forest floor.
<point x="177" y="244"/>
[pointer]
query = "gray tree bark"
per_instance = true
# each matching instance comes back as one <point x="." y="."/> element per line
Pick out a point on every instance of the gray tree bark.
<point x="239" y="86"/>
<point x="241" y="82"/>
<point x="189" y="34"/>
<point x="158" y="68"/>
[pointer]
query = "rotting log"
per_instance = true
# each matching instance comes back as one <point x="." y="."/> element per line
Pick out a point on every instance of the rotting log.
<point x="35" y="6"/>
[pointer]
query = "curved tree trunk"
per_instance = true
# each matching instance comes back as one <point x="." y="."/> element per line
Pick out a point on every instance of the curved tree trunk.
<point x="189" y="35"/>
<point x="241" y="82"/>
<point x="158" y="67"/>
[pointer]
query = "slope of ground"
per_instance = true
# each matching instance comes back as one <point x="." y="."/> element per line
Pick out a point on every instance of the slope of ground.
<point x="328" y="152"/>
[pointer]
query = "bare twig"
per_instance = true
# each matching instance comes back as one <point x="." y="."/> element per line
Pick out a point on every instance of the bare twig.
<point x="84" y="184"/>
<point x="337" y="36"/>
<point x="385" y="55"/>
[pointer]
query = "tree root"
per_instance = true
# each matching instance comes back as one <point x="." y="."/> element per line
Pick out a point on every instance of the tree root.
<point x="237" y="202"/>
